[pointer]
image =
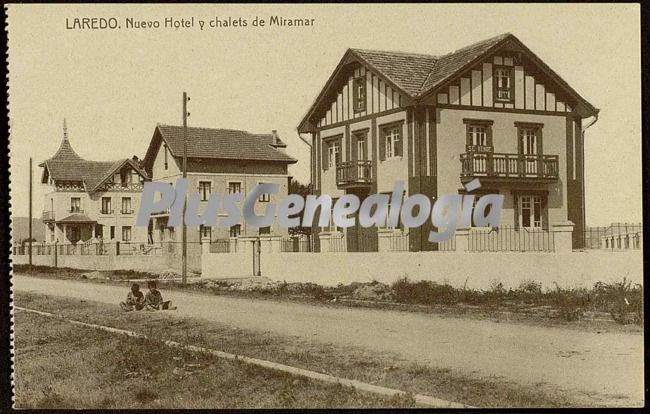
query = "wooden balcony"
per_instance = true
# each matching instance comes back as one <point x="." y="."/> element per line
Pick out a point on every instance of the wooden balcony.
<point x="509" y="167"/>
<point x="352" y="174"/>
<point x="48" y="216"/>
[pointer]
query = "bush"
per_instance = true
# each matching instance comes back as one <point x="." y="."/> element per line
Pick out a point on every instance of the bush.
<point x="424" y="292"/>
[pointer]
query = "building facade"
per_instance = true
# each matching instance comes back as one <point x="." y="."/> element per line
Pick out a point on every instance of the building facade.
<point x="492" y="110"/>
<point x="87" y="199"/>
<point x="218" y="161"/>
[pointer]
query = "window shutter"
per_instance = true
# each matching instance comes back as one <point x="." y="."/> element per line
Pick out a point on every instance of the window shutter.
<point x="468" y="138"/>
<point x="354" y="153"/>
<point x="516" y="200"/>
<point x="399" y="144"/>
<point x="324" y="156"/>
<point x="382" y="145"/>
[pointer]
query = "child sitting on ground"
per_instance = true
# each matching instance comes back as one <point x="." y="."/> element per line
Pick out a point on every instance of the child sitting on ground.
<point x="155" y="300"/>
<point x="134" y="300"/>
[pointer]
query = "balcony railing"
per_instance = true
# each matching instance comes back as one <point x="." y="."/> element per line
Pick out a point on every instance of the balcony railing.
<point x="127" y="211"/>
<point x="106" y="212"/>
<point x="48" y="216"/>
<point x="76" y="210"/>
<point x="498" y="165"/>
<point x="353" y="173"/>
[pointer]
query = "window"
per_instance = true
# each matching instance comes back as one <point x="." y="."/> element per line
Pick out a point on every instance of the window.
<point x="106" y="205"/>
<point x="234" y="187"/>
<point x="477" y="135"/>
<point x="75" y="205"/>
<point x="205" y="188"/>
<point x="393" y="141"/>
<point x="530" y="147"/>
<point x="135" y="177"/>
<point x="205" y="232"/>
<point x="126" y="205"/>
<point x="361" y="148"/>
<point x="264" y="198"/>
<point x="235" y="231"/>
<point x="528" y="141"/>
<point x="333" y="153"/>
<point x="126" y="233"/>
<point x="112" y="232"/>
<point x="265" y="230"/>
<point x="530" y="211"/>
<point x="359" y="94"/>
<point x="503" y="84"/>
<point x="166" y="156"/>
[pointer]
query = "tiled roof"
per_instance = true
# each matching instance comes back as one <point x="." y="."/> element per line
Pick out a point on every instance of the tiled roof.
<point x="406" y="70"/>
<point x="416" y="74"/>
<point x="77" y="218"/>
<point x="222" y="144"/>
<point x="67" y="165"/>
<point x="451" y="63"/>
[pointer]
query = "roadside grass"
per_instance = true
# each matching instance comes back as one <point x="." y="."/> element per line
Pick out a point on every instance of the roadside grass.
<point x="348" y="362"/>
<point x="60" y="365"/>
<point x="604" y="304"/>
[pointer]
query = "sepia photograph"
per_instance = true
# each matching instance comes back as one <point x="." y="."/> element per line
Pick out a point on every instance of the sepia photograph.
<point x="325" y="206"/>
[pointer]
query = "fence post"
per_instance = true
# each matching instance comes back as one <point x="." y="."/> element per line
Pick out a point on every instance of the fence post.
<point x="562" y="236"/>
<point x="383" y="239"/>
<point x="56" y="253"/>
<point x="462" y="239"/>
<point x="205" y="245"/>
<point x="325" y="242"/>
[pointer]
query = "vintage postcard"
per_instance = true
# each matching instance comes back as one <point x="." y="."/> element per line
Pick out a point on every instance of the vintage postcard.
<point x="326" y="205"/>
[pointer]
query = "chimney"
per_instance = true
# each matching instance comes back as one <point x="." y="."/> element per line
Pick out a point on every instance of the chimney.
<point x="277" y="142"/>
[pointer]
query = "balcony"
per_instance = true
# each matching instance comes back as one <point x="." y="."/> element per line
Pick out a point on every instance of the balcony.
<point x="106" y="212"/>
<point x="509" y="167"/>
<point x="48" y="216"/>
<point x="127" y="211"/>
<point x="352" y="174"/>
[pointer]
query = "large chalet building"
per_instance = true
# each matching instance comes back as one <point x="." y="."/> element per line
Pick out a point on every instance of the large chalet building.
<point x="218" y="160"/>
<point x="492" y="110"/>
<point x="90" y="199"/>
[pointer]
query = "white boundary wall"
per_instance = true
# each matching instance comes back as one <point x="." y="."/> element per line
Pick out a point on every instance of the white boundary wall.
<point x="578" y="269"/>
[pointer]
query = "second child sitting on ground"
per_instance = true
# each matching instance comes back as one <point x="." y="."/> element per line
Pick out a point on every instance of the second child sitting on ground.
<point x="155" y="300"/>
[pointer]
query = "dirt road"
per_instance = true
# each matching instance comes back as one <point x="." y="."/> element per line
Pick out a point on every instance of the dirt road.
<point x="603" y="368"/>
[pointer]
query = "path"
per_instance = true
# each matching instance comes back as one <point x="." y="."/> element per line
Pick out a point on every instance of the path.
<point x="609" y="363"/>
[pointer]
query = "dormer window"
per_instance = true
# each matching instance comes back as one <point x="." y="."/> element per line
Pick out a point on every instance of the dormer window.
<point x="359" y="94"/>
<point x="503" y="84"/>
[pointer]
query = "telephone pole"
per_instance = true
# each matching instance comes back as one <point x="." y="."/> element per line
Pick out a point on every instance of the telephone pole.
<point x="185" y="114"/>
<point x="31" y="173"/>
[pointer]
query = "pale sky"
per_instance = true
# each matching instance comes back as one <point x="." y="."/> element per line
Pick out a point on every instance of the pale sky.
<point x="113" y="86"/>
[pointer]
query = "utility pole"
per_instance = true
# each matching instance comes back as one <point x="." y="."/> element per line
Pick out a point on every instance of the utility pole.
<point x="31" y="173"/>
<point x="185" y="114"/>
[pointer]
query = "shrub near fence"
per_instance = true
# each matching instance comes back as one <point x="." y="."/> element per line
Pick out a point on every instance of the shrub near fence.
<point x="511" y="239"/>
